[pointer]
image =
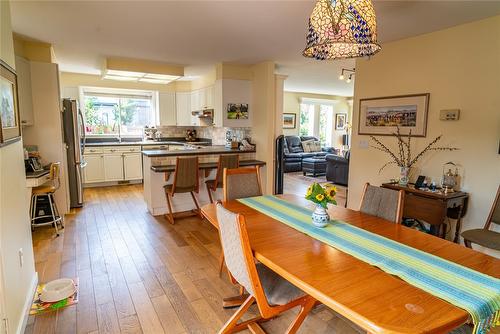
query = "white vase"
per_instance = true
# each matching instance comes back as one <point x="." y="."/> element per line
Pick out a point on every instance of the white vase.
<point x="403" y="176"/>
<point x="320" y="217"/>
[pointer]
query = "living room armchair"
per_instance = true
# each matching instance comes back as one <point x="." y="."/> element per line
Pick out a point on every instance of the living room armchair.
<point x="337" y="168"/>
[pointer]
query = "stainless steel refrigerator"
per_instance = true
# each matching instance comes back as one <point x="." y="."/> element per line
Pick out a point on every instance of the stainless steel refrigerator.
<point x="74" y="136"/>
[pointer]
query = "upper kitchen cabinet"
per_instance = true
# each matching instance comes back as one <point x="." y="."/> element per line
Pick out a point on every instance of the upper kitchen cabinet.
<point x="202" y="98"/>
<point x="167" y="109"/>
<point x="227" y="91"/>
<point x="23" y="69"/>
<point x="183" y="108"/>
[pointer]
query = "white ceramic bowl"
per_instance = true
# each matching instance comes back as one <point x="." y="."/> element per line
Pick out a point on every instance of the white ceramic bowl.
<point x="57" y="290"/>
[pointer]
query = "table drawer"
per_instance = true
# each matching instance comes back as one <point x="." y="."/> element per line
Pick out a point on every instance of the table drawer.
<point x="429" y="210"/>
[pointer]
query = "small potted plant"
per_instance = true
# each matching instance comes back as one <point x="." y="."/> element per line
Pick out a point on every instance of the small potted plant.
<point x="321" y="196"/>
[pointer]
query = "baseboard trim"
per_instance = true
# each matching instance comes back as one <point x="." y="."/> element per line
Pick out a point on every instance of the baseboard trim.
<point x="27" y="305"/>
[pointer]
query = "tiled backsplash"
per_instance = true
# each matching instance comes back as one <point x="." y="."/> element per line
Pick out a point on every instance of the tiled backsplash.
<point x="218" y="135"/>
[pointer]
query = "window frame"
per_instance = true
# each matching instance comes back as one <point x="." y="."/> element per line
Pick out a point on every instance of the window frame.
<point x="120" y="93"/>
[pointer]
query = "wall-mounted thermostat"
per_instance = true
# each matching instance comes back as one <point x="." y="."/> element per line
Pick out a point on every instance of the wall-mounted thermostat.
<point x="449" y="114"/>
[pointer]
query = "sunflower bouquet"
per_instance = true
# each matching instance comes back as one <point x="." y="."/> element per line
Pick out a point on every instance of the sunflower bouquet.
<point x="318" y="194"/>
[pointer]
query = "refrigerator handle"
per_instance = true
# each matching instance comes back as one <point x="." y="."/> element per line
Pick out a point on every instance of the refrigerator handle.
<point x="83" y="130"/>
<point x="79" y="180"/>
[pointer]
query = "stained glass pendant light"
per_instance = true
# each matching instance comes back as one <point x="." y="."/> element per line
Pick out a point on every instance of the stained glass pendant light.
<point x="340" y="29"/>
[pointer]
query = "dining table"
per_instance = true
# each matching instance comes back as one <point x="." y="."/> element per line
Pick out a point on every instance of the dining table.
<point x="374" y="300"/>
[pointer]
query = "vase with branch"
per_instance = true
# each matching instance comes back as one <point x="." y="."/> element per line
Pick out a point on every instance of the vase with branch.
<point x="403" y="157"/>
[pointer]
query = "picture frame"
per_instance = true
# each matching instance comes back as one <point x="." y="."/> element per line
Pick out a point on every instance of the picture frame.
<point x="10" y="128"/>
<point x="237" y="111"/>
<point x="382" y="115"/>
<point x="340" y="121"/>
<point x="289" y="121"/>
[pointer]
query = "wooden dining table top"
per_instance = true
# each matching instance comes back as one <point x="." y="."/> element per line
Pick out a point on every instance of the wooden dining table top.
<point x="374" y="300"/>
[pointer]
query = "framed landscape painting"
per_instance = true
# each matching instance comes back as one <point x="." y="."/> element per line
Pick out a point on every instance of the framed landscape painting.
<point x="237" y="111"/>
<point x="289" y="120"/>
<point x="382" y="115"/>
<point x="9" y="109"/>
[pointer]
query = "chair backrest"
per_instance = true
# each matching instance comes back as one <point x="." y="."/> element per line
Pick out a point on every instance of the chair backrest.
<point x="186" y="174"/>
<point x="55" y="174"/>
<point x="229" y="161"/>
<point x="382" y="202"/>
<point x="241" y="183"/>
<point x="494" y="216"/>
<point x="238" y="254"/>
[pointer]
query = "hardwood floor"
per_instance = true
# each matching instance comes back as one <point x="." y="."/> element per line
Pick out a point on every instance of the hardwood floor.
<point x="139" y="274"/>
<point x="296" y="183"/>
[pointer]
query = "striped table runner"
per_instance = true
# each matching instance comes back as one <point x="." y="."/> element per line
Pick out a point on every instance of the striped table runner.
<point x="477" y="293"/>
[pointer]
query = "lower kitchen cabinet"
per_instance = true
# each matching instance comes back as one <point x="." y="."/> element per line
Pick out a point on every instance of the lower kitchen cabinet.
<point x="132" y="165"/>
<point x="112" y="164"/>
<point x="94" y="170"/>
<point x="113" y="167"/>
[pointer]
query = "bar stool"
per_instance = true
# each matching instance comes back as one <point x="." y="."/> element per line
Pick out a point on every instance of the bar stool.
<point x="184" y="180"/>
<point x="47" y="190"/>
<point x="229" y="161"/>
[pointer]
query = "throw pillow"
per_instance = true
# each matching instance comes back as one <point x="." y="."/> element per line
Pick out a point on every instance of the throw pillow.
<point x="317" y="146"/>
<point x="307" y="145"/>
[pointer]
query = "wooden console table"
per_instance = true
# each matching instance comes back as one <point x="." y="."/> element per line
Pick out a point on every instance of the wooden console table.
<point x="433" y="207"/>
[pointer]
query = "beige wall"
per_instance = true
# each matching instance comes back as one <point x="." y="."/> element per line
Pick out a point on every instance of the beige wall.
<point x="341" y="105"/>
<point x="460" y="68"/>
<point x="264" y="104"/>
<point x="16" y="282"/>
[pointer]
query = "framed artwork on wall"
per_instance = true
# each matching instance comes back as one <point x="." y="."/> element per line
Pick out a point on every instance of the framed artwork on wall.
<point x="289" y="121"/>
<point x="237" y="111"/>
<point x="382" y="115"/>
<point x="10" y="130"/>
<point x="340" y="121"/>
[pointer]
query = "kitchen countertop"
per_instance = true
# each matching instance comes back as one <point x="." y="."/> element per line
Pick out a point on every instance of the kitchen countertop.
<point x="146" y="143"/>
<point x="200" y="151"/>
<point x="34" y="175"/>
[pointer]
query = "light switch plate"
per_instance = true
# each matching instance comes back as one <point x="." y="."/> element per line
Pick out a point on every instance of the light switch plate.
<point x="449" y="114"/>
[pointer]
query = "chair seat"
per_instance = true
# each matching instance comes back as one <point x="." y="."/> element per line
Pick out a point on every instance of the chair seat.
<point x="486" y="238"/>
<point x="278" y="290"/>
<point x="41" y="190"/>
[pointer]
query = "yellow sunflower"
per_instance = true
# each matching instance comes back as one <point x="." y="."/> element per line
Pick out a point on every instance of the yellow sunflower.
<point x="309" y="191"/>
<point x="320" y="197"/>
<point x="330" y="192"/>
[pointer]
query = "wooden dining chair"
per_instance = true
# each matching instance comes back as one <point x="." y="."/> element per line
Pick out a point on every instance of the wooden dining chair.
<point x="484" y="236"/>
<point x="229" y="161"/>
<point x="241" y="183"/>
<point x="272" y="293"/>
<point x="383" y="203"/>
<point x="184" y="180"/>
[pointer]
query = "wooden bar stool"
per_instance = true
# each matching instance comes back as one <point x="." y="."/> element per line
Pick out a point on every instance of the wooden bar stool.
<point x="183" y="180"/>
<point x="228" y="161"/>
<point x="47" y="190"/>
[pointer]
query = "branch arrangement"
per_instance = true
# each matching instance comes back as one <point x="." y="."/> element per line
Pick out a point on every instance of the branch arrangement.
<point x="403" y="157"/>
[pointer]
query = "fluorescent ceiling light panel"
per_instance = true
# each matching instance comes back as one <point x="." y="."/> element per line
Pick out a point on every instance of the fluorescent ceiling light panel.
<point x="155" y="81"/>
<point x="119" y="78"/>
<point x="161" y="76"/>
<point x="125" y="73"/>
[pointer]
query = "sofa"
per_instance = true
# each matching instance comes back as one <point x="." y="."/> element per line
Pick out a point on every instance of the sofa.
<point x="337" y="168"/>
<point x="293" y="152"/>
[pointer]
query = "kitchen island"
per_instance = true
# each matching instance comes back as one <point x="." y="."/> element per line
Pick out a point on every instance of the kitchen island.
<point x="158" y="164"/>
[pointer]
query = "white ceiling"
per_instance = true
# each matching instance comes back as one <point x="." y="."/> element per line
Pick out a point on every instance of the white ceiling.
<point x="199" y="33"/>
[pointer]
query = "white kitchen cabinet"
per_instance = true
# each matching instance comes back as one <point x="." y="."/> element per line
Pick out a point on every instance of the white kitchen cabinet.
<point x="94" y="171"/>
<point x="24" y="91"/>
<point x="132" y="166"/>
<point x="113" y="167"/>
<point x="183" y="108"/>
<point x="209" y="97"/>
<point x="167" y="109"/>
<point x="196" y="100"/>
